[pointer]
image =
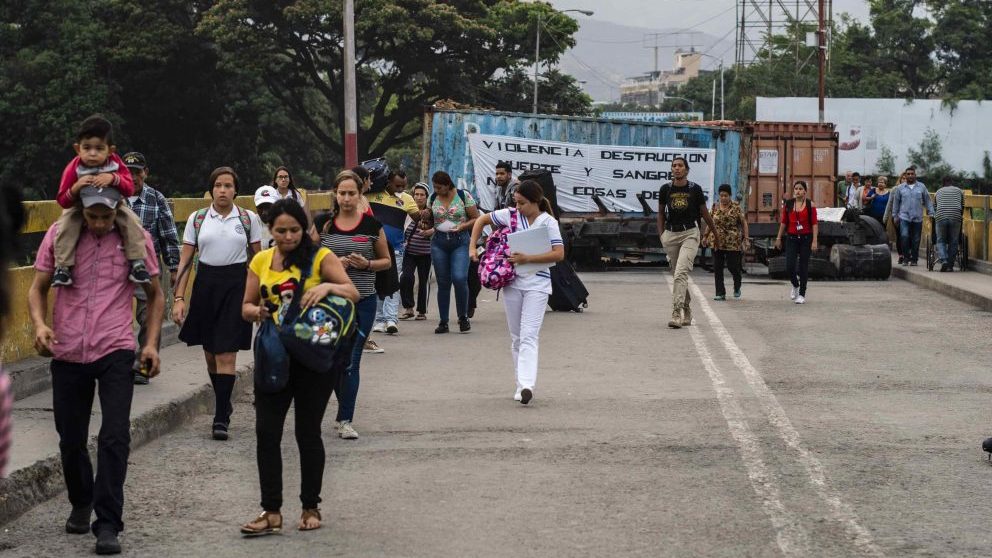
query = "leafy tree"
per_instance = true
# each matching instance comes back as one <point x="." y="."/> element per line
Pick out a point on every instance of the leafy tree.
<point x="51" y="77"/>
<point x="886" y="161"/>
<point x="558" y="93"/>
<point x="410" y="53"/>
<point x="960" y="36"/>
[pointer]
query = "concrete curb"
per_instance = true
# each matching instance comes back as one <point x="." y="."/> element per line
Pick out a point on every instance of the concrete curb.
<point x="957" y="293"/>
<point x="31" y="375"/>
<point x="33" y="485"/>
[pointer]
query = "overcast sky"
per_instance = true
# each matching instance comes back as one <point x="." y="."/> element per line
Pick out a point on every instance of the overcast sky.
<point x="715" y="17"/>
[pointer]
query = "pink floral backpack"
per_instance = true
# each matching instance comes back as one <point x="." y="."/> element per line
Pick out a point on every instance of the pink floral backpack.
<point x="495" y="269"/>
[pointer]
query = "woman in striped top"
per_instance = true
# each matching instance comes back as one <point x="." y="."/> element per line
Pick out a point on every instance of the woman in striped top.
<point x="11" y="220"/>
<point x="357" y="239"/>
<point x="416" y="258"/>
<point x="527" y="295"/>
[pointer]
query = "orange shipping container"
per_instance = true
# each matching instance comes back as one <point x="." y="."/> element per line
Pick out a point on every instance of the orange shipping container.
<point x="782" y="153"/>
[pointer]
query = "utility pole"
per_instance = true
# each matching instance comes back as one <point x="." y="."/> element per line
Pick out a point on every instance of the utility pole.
<point x="721" y="89"/>
<point x="350" y="95"/>
<point x="537" y="48"/>
<point x="822" y="54"/>
<point x="537" y="58"/>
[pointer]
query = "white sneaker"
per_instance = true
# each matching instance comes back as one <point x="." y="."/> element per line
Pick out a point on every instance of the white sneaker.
<point x="800" y="299"/>
<point x="391" y="328"/>
<point x="379" y="327"/>
<point x="792" y="295"/>
<point x="346" y="431"/>
<point x="516" y="396"/>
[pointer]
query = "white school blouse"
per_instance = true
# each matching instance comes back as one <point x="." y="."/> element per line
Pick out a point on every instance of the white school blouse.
<point x="222" y="240"/>
<point x="540" y="281"/>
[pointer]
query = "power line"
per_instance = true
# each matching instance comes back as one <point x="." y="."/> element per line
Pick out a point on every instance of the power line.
<point x="599" y="77"/>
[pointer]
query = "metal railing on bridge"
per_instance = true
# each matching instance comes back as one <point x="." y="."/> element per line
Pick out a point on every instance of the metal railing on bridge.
<point x="18" y="342"/>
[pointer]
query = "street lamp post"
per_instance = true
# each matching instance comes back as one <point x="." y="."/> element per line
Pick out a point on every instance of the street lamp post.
<point x="692" y="104"/>
<point x="350" y="95"/>
<point x="720" y="60"/>
<point x="537" y="48"/>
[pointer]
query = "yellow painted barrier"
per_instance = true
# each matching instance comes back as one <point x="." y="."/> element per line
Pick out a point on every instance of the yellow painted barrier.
<point x="18" y="342"/>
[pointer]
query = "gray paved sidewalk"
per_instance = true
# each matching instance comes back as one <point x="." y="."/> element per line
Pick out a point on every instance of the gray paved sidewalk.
<point x="180" y="392"/>
<point x="971" y="287"/>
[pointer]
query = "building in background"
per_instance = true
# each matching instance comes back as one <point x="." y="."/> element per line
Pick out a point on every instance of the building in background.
<point x="870" y="127"/>
<point x="649" y="89"/>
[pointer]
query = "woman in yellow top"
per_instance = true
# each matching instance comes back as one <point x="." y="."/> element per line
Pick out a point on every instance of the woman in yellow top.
<point x="272" y="278"/>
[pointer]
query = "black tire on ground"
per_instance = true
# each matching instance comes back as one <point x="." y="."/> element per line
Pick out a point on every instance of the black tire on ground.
<point x="776" y="267"/>
<point x="862" y="262"/>
<point x="818" y="268"/>
<point x="821" y="269"/>
<point x="875" y="232"/>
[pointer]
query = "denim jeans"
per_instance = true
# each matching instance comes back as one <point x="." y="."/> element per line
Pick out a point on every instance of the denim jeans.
<point x="347" y="386"/>
<point x="387" y="309"/>
<point x="449" y="252"/>
<point x="948" y="233"/>
<point x="910" y="232"/>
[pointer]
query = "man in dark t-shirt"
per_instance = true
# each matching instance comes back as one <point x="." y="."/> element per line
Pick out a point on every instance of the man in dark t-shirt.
<point x="681" y="204"/>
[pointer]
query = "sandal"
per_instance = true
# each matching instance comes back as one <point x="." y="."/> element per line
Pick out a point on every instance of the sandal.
<point x="263" y="525"/>
<point x="307" y="516"/>
<point x="421" y="317"/>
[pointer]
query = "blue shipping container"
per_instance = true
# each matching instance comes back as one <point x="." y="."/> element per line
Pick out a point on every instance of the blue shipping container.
<point x="448" y="149"/>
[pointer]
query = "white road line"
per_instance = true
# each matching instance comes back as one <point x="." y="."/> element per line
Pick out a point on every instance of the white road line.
<point x="840" y="511"/>
<point x="790" y="535"/>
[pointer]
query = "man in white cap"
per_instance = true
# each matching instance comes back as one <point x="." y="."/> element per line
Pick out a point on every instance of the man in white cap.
<point x="91" y="343"/>
<point x="264" y="198"/>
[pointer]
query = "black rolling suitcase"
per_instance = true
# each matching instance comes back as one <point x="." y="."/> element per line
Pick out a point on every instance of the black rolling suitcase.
<point x="568" y="294"/>
<point x="547" y="182"/>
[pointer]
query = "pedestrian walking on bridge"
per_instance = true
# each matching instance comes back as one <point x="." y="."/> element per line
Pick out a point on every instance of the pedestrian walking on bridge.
<point x="526" y="296"/>
<point x="358" y="240"/>
<point x="908" y="204"/>
<point x="681" y="205"/>
<point x="11" y="221"/>
<point x="798" y="222"/>
<point x="308" y="390"/>
<point x="91" y="343"/>
<point x="948" y="217"/>
<point x="152" y="208"/>
<point x="729" y="220"/>
<point x="225" y="237"/>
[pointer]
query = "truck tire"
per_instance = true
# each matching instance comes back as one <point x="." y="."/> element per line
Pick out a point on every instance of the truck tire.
<point x="862" y="262"/>
<point x="874" y="231"/>
<point x="819" y="268"/>
<point x="776" y="267"/>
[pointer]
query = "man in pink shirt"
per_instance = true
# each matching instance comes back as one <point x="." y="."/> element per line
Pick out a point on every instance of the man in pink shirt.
<point x="91" y="342"/>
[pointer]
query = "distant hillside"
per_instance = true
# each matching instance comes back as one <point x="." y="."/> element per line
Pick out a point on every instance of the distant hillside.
<point x="606" y="53"/>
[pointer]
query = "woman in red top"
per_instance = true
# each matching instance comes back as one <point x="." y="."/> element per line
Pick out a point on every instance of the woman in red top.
<point x="799" y="222"/>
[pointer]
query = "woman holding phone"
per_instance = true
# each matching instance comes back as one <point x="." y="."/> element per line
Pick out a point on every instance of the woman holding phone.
<point x="357" y="239"/>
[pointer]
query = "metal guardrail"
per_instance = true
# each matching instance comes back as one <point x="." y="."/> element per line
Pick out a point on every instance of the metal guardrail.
<point x="18" y="342"/>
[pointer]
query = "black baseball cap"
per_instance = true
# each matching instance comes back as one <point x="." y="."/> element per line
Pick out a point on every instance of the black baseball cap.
<point x="135" y="160"/>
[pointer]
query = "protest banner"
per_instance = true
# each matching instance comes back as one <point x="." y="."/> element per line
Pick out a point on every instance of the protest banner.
<point x="615" y="173"/>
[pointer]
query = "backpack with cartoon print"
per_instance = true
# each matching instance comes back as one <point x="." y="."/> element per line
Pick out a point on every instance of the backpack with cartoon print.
<point x="495" y="269"/>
